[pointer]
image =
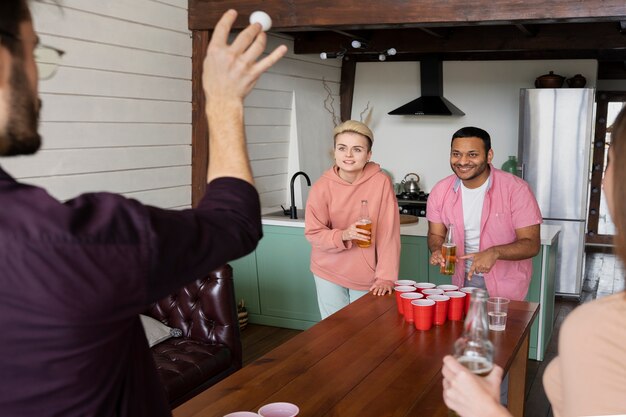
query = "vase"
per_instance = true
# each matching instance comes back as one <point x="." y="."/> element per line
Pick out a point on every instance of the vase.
<point x="510" y="165"/>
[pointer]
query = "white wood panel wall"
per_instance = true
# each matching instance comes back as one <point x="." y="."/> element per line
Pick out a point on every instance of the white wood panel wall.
<point x="268" y="116"/>
<point x="117" y="115"/>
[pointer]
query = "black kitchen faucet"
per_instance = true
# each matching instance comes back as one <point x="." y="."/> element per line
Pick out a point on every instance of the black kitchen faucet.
<point x="293" y="213"/>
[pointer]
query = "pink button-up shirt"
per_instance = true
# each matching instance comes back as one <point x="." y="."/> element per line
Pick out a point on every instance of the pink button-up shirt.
<point x="509" y="205"/>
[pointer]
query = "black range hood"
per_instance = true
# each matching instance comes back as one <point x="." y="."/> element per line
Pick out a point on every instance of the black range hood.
<point x="432" y="102"/>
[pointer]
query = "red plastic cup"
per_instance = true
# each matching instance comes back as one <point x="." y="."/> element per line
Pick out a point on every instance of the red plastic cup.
<point x="399" y="290"/>
<point x="468" y="291"/>
<point x="404" y="282"/>
<point x="448" y="287"/>
<point x="423" y="312"/>
<point x="441" y="308"/>
<point x="432" y="291"/>
<point x="407" y="297"/>
<point x="457" y="305"/>
<point x="423" y="285"/>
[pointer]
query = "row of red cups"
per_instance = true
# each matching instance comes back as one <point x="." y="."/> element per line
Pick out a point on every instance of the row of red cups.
<point x="425" y="305"/>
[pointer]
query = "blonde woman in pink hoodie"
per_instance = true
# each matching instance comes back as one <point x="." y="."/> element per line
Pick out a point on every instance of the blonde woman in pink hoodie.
<point x="343" y="271"/>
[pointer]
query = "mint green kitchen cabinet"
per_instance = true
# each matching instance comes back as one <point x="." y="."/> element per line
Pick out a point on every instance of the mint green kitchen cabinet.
<point x="286" y="284"/>
<point x="541" y="290"/>
<point x="276" y="281"/>
<point x="413" y="251"/>
<point x="435" y="277"/>
<point x="414" y="261"/>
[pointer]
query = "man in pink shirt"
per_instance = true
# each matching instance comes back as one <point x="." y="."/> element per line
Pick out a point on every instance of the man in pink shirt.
<point x="496" y="219"/>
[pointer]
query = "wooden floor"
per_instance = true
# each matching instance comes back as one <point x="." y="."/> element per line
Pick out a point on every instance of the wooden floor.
<point x="604" y="275"/>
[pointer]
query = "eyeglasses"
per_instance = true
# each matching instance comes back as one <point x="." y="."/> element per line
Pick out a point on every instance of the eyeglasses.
<point x="47" y="58"/>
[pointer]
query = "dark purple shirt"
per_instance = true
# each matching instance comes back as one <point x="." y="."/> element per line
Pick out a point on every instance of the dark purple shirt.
<point x="73" y="278"/>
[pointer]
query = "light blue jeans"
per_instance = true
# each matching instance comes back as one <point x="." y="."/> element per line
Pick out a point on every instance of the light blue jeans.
<point x="332" y="297"/>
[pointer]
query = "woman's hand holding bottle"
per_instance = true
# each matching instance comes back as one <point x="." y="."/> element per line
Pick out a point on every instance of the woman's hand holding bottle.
<point x="355" y="233"/>
<point x="471" y="395"/>
<point x="361" y="231"/>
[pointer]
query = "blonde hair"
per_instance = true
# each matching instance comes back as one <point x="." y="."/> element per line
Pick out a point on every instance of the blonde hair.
<point x="355" y="127"/>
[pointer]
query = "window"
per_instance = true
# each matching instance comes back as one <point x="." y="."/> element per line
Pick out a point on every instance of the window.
<point x="600" y="227"/>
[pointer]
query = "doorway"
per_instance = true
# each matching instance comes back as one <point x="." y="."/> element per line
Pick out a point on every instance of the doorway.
<point x="600" y="227"/>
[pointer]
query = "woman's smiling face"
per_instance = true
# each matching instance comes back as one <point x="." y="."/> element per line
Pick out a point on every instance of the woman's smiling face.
<point x="352" y="152"/>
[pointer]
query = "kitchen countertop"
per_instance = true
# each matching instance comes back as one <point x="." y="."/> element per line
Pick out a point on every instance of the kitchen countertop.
<point x="548" y="232"/>
<point x="274" y="221"/>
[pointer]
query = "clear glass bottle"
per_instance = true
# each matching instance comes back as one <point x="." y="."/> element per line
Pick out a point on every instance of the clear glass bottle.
<point x="448" y="250"/>
<point x="473" y="349"/>
<point x="365" y="223"/>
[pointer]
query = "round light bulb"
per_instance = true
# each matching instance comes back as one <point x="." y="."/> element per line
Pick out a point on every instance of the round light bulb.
<point x="391" y="51"/>
<point x="261" y="18"/>
<point x="323" y="55"/>
<point x="356" y="44"/>
<point x="382" y="57"/>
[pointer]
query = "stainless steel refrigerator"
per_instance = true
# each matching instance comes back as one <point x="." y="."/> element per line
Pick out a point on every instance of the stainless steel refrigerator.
<point x="555" y="135"/>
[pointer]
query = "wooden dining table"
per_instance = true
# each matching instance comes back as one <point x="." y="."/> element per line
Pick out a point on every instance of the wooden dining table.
<point x="364" y="360"/>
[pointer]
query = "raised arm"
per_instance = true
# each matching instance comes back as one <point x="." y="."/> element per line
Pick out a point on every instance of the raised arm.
<point x="230" y="72"/>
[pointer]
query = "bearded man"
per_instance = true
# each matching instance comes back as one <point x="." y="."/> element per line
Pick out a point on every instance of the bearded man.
<point x="75" y="275"/>
<point x="495" y="215"/>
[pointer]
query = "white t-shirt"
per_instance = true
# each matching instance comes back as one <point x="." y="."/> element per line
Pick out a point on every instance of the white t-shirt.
<point x="473" y="199"/>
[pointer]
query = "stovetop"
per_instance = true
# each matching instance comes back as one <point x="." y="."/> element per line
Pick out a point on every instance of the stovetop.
<point x="412" y="203"/>
<point x="411" y="197"/>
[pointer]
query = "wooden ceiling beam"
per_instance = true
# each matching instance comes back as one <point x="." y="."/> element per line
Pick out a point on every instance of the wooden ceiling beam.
<point x="351" y="14"/>
<point x="527" y="30"/>
<point x="610" y="55"/>
<point x="351" y="36"/>
<point x="553" y="37"/>
<point x="435" y="33"/>
<point x="613" y="70"/>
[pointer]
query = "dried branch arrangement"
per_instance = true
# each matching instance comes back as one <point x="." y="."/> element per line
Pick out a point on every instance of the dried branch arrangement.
<point x="328" y="104"/>
<point x="330" y="108"/>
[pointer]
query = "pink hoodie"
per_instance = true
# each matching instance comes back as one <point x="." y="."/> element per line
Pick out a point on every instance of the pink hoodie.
<point x="333" y="205"/>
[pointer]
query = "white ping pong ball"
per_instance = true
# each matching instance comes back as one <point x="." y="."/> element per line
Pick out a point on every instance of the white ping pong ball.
<point x="261" y="18"/>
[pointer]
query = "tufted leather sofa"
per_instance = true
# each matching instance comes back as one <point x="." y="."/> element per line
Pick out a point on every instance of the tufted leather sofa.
<point x="210" y="348"/>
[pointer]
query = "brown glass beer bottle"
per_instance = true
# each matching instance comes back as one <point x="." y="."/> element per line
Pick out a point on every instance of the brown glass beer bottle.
<point x="448" y="250"/>
<point x="365" y="223"/>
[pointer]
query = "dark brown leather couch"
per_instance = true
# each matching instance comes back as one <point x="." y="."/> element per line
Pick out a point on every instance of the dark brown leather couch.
<point x="210" y="348"/>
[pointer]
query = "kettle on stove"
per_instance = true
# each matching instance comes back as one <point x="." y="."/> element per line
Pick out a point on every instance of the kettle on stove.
<point x="411" y="185"/>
